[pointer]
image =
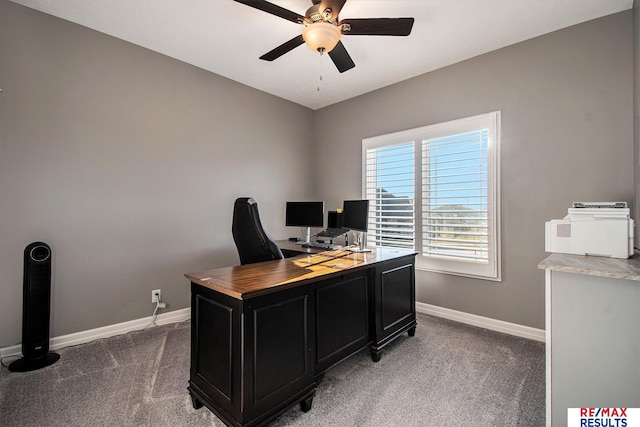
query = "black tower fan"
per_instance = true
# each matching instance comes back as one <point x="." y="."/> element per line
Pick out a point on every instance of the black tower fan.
<point x="36" y="296"/>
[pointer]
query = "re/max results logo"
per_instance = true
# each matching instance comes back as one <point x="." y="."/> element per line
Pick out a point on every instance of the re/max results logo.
<point x="603" y="417"/>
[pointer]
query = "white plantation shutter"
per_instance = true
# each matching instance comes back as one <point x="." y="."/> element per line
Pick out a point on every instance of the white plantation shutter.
<point x="435" y="190"/>
<point x="454" y="196"/>
<point x="390" y="188"/>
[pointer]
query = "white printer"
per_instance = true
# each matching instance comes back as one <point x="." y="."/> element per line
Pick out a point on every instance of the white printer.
<point x="599" y="229"/>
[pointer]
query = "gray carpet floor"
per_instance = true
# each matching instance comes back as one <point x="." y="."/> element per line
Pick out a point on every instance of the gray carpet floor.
<point x="449" y="374"/>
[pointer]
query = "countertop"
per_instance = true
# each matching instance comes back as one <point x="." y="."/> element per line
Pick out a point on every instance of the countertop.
<point x="617" y="268"/>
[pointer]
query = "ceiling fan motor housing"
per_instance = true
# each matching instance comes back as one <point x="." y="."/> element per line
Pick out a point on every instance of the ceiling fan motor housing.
<point x="314" y="14"/>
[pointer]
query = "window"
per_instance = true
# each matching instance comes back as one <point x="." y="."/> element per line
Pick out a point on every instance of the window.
<point x="435" y="190"/>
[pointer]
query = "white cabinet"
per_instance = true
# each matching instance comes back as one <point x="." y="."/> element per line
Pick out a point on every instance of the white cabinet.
<point x="593" y="333"/>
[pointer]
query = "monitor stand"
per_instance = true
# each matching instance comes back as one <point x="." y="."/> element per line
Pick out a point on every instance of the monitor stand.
<point x="361" y="238"/>
<point x="307" y="235"/>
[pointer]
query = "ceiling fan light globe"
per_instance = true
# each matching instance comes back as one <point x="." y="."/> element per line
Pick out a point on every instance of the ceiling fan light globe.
<point x="321" y="36"/>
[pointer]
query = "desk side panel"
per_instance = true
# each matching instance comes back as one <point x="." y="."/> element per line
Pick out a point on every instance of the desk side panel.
<point x="397" y="296"/>
<point x="395" y="299"/>
<point x="215" y="352"/>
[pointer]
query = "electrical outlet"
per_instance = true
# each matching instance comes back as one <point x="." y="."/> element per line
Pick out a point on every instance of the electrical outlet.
<point x="156" y="295"/>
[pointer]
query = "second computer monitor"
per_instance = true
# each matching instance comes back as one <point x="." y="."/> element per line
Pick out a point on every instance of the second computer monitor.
<point x="355" y="214"/>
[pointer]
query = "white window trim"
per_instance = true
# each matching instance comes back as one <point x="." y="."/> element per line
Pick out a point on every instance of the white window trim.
<point x="491" y="121"/>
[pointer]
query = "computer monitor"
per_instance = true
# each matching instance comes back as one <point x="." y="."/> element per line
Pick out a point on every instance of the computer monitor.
<point x="355" y="214"/>
<point x="305" y="214"/>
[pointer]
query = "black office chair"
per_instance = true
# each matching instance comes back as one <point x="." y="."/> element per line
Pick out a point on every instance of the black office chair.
<point x="252" y="242"/>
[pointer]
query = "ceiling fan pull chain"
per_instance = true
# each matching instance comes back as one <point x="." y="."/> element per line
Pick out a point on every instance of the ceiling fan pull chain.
<point x="320" y="72"/>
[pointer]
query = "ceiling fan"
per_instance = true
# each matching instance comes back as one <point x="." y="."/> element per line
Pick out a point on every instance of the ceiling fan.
<point x="322" y="29"/>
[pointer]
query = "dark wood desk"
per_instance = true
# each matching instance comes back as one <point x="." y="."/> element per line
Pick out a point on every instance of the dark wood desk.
<point x="263" y="334"/>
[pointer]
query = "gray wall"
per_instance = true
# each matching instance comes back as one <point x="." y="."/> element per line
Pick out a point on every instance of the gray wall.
<point x="566" y="101"/>
<point x="127" y="163"/>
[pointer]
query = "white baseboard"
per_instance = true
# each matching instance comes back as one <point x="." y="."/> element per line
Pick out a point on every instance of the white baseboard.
<point x="104" y="332"/>
<point x="482" y="322"/>
<point x="57" y="343"/>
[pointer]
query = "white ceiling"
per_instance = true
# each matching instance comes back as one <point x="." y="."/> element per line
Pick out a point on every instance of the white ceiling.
<point x="226" y="37"/>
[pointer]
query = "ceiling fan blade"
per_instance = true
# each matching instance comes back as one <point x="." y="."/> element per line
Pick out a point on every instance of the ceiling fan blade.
<point x="273" y="9"/>
<point x="341" y="58"/>
<point x="334" y="5"/>
<point x="283" y="48"/>
<point x="378" y="26"/>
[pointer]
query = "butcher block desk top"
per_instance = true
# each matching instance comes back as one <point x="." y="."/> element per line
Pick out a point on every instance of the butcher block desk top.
<point x="252" y="280"/>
